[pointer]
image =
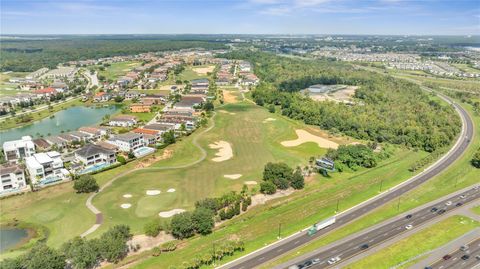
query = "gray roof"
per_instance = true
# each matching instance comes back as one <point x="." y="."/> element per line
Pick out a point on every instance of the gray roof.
<point x="91" y="149"/>
<point x="158" y="127"/>
<point x="128" y="136"/>
<point x="10" y="169"/>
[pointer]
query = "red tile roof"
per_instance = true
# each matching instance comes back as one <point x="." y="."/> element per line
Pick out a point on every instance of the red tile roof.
<point x="46" y="90"/>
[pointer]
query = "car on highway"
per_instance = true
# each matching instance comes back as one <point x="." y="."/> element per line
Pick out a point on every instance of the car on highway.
<point x="441" y="211"/>
<point x="465" y="257"/>
<point x="364" y="246"/>
<point x="446" y="257"/>
<point x="462" y="196"/>
<point x="409" y="216"/>
<point x="477" y="257"/>
<point x="334" y="260"/>
<point x="476" y="187"/>
<point x="459" y="204"/>
<point x="409" y="226"/>
<point x="448" y="203"/>
<point x="434" y="209"/>
<point x="464" y="248"/>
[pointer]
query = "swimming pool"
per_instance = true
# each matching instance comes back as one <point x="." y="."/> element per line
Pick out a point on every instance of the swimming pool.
<point x="94" y="168"/>
<point x="140" y="152"/>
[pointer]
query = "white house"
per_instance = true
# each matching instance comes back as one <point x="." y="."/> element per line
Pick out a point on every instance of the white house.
<point x="46" y="167"/>
<point x="18" y="149"/>
<point x="12" y="178"/>
<point x="128" y="141"/>
<point x="123" y="121"/>
<point x="93" y="154"/>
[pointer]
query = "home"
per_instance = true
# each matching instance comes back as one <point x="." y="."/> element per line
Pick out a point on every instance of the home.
<point x="123" y="121"/>
<point x="59" y="86"/>
<point x="128" y="142"/>
<point x="157" y="134"/>
<point x="12" y="178"/>
<point x="94" y="154"/>
<point x="56" y="142"/>
<point x="81" y="136"/>
<point x="101" y="97"/>
<point x="189" y="101"/>
<point x="94" y="132"/>
<point x="18" y="149"/>
<point x="41" y="144"/>
<point x="153" y="99"/>
<point x="133" y="94"/>
<point x="139" y="108"/>
<point x="46" y="92"/>
<point x="45" y="168"/>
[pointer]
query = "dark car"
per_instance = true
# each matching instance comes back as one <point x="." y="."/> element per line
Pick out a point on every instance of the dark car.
<point x="428" y="267"/>
<point x="409" y="216"/>
<point x="434" y="209"/>
<point x="459" y="204"/>
<point x="364" y="246"/>
<point x="465" y="257"/>
<point x="441" y="211"/>
<point x="447" y="257"/>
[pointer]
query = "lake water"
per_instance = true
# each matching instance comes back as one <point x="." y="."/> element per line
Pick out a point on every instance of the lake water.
<point x="69" y="119"/>
<point x="11" y="237"/>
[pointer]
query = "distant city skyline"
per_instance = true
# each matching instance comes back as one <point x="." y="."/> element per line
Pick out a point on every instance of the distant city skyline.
<point x="382" y="17"/>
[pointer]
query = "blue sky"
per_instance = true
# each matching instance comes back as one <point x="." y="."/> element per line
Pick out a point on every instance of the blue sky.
<point x="432" y="17"/>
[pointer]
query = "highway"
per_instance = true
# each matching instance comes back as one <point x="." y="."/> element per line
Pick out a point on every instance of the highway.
<point x="279" y="248"/>
<point x="456" y="261"/>
<point x="393" y="228"/>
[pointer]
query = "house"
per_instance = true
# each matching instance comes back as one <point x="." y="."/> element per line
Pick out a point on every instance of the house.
<point x="189" y="101"/>
<point x="94" y="132"/>
<point x="107" y="145"/>
<point x="46" y="92"/>
<point x="153" y="99"/>
<point x="94" y="154"/>
<point x="59" y="86"/>
<point x="56" y="142"/>
<point x="101" y="97"/>
<point x="123" y="121"/>
<point x="12" y="178"/>
<point x="128" y="142"/>
<point x="18" y="149"/>
<point x="133" y="94"/>
<point x="45" y="168"/>
<point x="41" y="144"/>
<point x="139" y="108"/>
<point x="147" y="133"/>
<point x="81" y="136"/>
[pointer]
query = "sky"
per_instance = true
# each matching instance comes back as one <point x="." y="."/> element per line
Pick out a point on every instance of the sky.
<point x="382" y="17"/>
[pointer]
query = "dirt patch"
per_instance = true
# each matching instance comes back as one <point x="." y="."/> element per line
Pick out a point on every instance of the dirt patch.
<point x="168" y="87"/>
<point x="260" y="199"/>
<point x="203" y="70"/>
<point x="147" y="161"/>
<point x="304" y="136"/>
<point x="147" y="242"/>
<point x="224" y="153"/>
<point x="171" y="213"/>
<point x="343" y="95"/>
<point x="268" y="120"/>
<point x="125" y="206"/>
<point x="229" y="97"/>
<point x="153" y="192"/>
<point x="233" y="176"/>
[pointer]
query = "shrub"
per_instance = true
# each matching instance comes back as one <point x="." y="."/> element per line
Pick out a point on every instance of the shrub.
<point x="153" y="228"/>
<point x="203" y="220"/>
<point x="298" y="182"/>
<point x="85" y="184"/>
<point x="182" y="225"/>
<point x="268" y="187"/>
<point x="121" y="159"/>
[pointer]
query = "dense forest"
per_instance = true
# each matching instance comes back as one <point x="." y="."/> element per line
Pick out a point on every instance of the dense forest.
<point x="30" y="55"/>
<point x="385" y="109"/>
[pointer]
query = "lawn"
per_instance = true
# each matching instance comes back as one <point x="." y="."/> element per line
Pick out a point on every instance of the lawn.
<point x="476" y="210"/>
<point x="421" y="242"/>
<point x="116" y="70"/>
<point x="189" y="73"/>
<point x="7" y="88"/>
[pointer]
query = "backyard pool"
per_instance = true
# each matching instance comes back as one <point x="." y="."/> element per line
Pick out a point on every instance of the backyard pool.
<point x="94" y="168"/>
<point x="140" y="152"/>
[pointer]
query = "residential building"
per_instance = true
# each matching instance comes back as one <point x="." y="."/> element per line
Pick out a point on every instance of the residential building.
<point x="123" y="121"/>
<point x="94" y="154"/>
<point x="45" y="168"/>
<point x="12" y="178"/>
<point x="18" y="149"/>
<point x="128" y="141"/>
<point x="139" y="108"/>
<point x="189" y="101"/>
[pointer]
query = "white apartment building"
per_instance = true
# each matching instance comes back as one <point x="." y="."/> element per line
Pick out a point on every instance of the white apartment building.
<point x="12" y="178"/>
<point x="93" y="154"/>
<point x="128" y="142"/>
<point x="46" y="167"/>
<point x="18" y="149"/>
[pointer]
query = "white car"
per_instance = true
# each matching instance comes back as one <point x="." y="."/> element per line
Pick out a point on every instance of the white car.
<point x="409" y="226"/>
<point x="333" y="260"/>
<point x="448" y="203"/>
<point x="462" y="196"/>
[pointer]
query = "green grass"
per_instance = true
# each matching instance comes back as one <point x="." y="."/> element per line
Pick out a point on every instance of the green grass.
<point x="423" y="241"/>
<point x="461" y="172"/>
<point x="189" y="73"/>
<point x="476" y="210"/>
<point x="7" y="88"/>
<point x="116" y="70"/>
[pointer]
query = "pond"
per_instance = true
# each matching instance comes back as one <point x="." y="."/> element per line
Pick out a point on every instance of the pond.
<point x="11" y="237"/>
<point x="66" y="120"/>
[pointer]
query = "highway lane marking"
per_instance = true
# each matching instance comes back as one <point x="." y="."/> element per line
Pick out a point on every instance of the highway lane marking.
<point x="278" y="250"/>
<point x="296" y="242"/>
<point x="261" y="258"/>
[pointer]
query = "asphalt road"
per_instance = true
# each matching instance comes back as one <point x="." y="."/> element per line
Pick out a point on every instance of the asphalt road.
<point x="277" y="249"/>
<point x="392" y="229"/>
<point x="456" y="260"/>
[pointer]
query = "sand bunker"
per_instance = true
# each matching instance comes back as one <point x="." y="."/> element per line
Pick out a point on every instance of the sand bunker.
<point x="153" y="192"/>
<point x="168" y="214"/>
<point x="171" y="190"/>
<point x="128" y="195"/>
<point x="125" y="206"/>
<point x="268" y="120"/>
<point x="203" y="70"/>
<point x="233" y="176"/>
<point x="304" y="136"/>
<point x="224" y="153"/>
<point x="250" y="182"/>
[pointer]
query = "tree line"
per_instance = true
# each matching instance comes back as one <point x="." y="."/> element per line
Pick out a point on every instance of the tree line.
<point x="384" y="110"/>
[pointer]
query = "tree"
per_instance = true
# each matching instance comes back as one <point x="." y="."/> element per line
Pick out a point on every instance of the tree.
<point x="43" y="257"/>
<point x="203" y="220"/>
<point x="271" y="108"/>
<point x="153" y="228"/>
<point x="476" y="159"/>
<point x="82" y="254"/>
<point x="85" y="184"/>
<point x="208" y="106"/>
<point x="278" y="173"/>
<point x="267" y="187"/>
<point x="168" y="137"/>
<point x="297" y="182"/>
<point x="121" y="159"/>
<point x="182" y="225"/>
<point x="112" y="244"/>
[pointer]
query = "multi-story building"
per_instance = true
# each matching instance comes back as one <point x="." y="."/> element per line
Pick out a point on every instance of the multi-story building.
<point x="18" y="149"/>
<point x="94" y="154"/>
<point x="46" y="167"/>
<point x="12" y="178"/>
<point x="128" y="142"/>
